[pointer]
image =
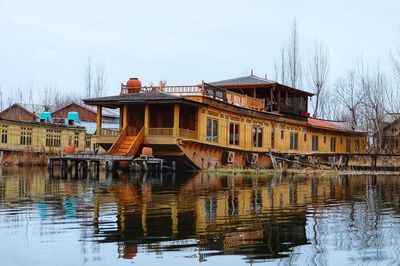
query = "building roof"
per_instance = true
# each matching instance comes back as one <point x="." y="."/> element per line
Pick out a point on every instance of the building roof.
<point x="143" y="97"/>
<point x="246" y="80"/>
<point x="106" y="112"/>
<point x="34" y="109"/>
<point x="332" y="125"/>
<point x="253" y="80"/>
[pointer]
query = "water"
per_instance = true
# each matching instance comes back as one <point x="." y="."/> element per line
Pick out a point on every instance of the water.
<point x="198" y="219"/>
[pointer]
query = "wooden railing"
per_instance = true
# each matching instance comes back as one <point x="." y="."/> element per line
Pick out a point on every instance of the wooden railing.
<point x="110" y="132"/>
<point x="136" y="143"/>
<point x="291" y="109"/>
<point x="245" y="101"/>
<point x="188" y="134"/>
<point x="207" y="90"/>
<point x="182" y="90"/>
<point x="118" y="141"/>
<point x="160" y="131"/>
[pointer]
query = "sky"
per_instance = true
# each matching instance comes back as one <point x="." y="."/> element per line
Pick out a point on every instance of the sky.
<point x="47" y="42"/>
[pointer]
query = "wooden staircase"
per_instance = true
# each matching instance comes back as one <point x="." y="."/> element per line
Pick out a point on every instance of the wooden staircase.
<point x="127" y="144"/>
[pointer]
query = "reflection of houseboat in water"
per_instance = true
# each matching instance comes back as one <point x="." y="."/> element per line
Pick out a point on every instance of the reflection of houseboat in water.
<point x="232" y="122"/>
<point x="260" y="217"/>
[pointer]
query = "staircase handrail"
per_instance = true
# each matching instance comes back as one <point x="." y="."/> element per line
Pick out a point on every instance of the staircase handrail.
<point x="118" y="141"/>
<point x="136" y="143"/>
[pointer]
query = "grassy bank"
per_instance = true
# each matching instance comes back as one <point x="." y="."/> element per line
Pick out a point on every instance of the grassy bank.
<point x="254" y="171"/>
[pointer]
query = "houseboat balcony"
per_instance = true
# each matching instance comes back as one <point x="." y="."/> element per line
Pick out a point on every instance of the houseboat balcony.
<point x="293" y="110"/>
<point x="161" y="131"/>
<point x="205" y="90"/>
<point x="107" y="136"/>
<point x="169" y="132"/>
<point x="111" y="132"/>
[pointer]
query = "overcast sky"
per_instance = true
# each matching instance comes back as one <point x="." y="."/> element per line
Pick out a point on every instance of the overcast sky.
<point x="183" y="42"/>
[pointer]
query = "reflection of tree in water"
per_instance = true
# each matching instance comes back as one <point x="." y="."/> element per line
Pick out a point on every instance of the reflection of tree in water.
<point x="358" y="221"/>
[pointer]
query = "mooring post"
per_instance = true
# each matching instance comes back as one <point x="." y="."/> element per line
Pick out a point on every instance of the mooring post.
<point x="108" y="165"/>
<point x="85" y="169"/>
<point x="69" y="166"/>
<point x="76" y="169"/>
<point x="98" y="169"/>
<point x="173" y="166"/>
<point x="131" y="166"/>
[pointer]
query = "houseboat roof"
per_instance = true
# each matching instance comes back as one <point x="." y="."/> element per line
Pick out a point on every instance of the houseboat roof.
<point x="252" y="80"/>
<point x="137" y="98"/>
<point x="331" y="125"/>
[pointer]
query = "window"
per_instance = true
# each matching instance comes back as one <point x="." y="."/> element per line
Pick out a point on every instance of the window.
<point x="233" y="134"/>
<point x="4" y="132"/>
<point x="53" y="138"/>
<point x="26" y="136"/>
<point x="314" y="143"/>
<point x="348" y="145"/>
<point x="305" y="137"/>
<point x="88" y="141"/>
<point x="294" y="140"/>
<point x="272" y="138"/>
<point x="257" y="137"/>
<point x="333" y="144"/>
<point x="357" y="144"/>
<point x="282" y="134"/>
<point x="324" y="139"/>
<point x="76" y="140"/>
<point x="212" y="130"/>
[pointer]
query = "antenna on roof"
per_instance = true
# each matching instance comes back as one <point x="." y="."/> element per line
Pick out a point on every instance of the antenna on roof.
<point x="251" y="73"/>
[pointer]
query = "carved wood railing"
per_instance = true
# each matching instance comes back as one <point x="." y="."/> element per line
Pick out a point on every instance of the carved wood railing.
<point x="110" y="132"/>
<point x="187" y="133"/>
<point x="205" y="89"/>
<point x="118" y="141"/>
<point x="154" y="131"/>
<point x="136" y="143"/>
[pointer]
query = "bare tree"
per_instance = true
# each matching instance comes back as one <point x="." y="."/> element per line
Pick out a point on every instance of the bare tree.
<point x="318" y="71"/>
<point x="20" y="95"/>
<point x="293" y="64"/>
<point x="375" y="88"/>
<point x="100" y="80"/>
<point x="88" y="78"/>
<point x="350" y="96"/>
<point x="49" y="96"/>
<point x="1" y="99"/>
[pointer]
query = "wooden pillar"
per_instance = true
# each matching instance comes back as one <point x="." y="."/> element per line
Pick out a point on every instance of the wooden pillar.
<point x="146" y="120"/>
<point x="176" y="120"/>
<point x="98" y="120"/>
<point x="125" y="116"/>
<point x="287" y="98"/>
<point x="272" y="99"/>
<point x="279" y="100"/>
<point x="121" y="117"/>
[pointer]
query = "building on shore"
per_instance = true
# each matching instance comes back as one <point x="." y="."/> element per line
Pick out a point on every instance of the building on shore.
<point x="35" y="139"/>
<point x="233" y="122"/>
<point x="59" y="116"/>
<point x="24" y="112"/>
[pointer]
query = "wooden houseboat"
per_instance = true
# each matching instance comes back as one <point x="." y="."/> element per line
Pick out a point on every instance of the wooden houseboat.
<point x="232" y="122"/>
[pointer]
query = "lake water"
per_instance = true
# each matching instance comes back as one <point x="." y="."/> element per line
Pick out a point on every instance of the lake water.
<point x="201" y="219"/>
